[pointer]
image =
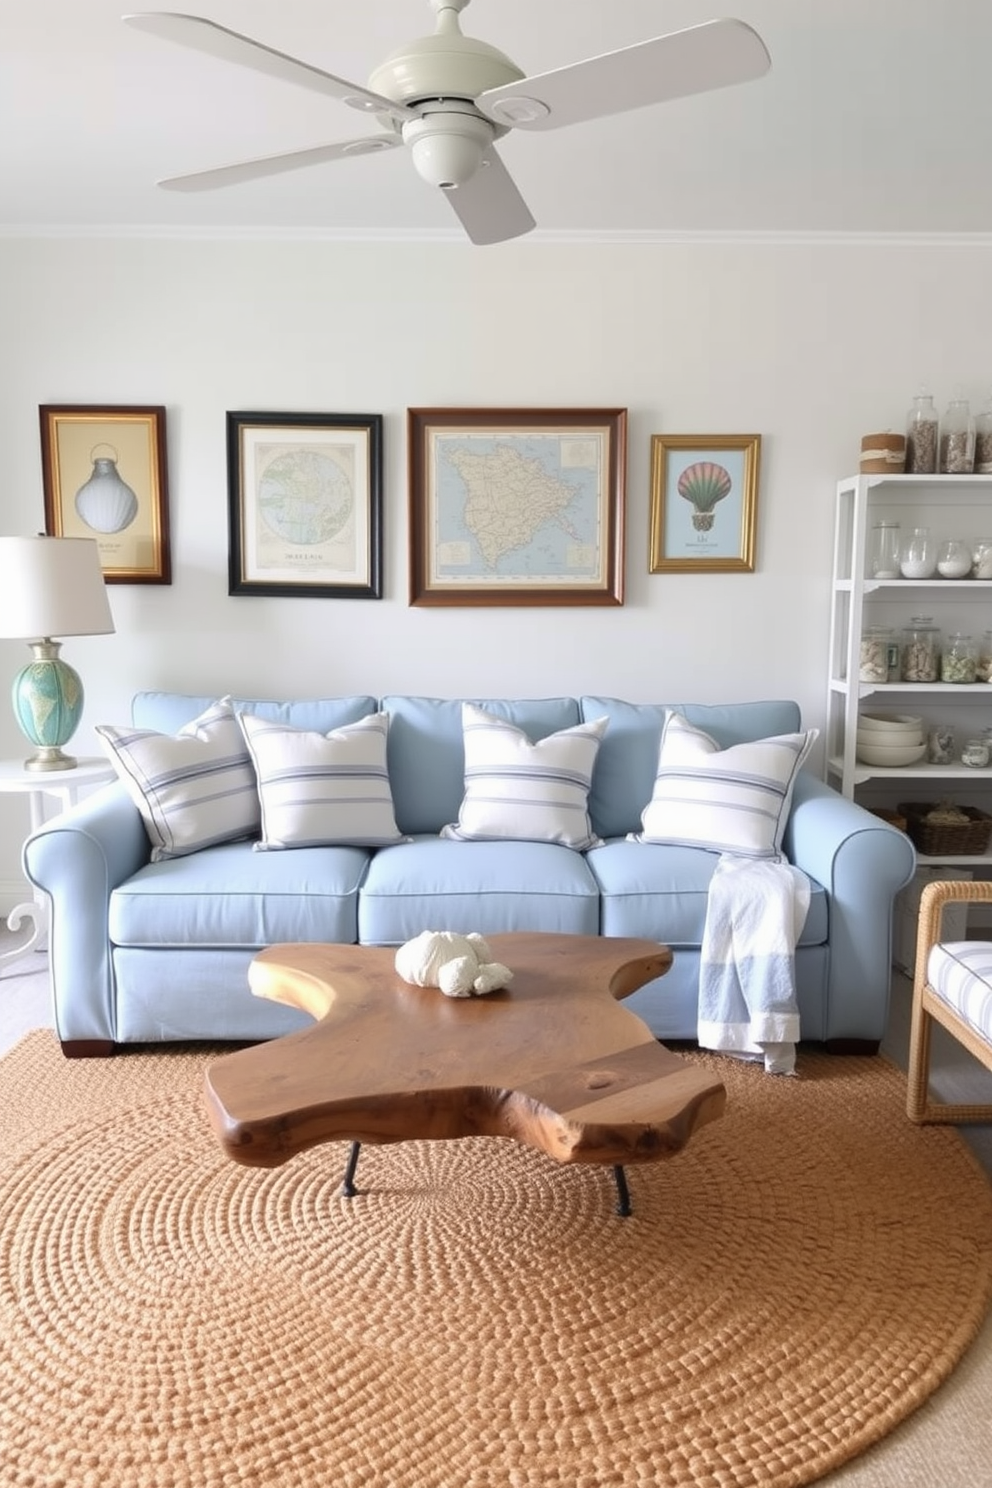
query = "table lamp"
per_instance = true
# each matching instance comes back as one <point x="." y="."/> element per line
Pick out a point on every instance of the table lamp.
<point x="50" y="586"/>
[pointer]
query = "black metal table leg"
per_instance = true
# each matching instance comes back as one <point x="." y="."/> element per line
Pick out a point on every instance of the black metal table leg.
<point x="623" y="1192"/>
<point x="348" y="1189"/>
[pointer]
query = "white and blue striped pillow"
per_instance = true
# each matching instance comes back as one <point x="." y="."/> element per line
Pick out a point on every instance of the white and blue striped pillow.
<point x="733" y="800"/>
<point x="193" y="789"/>
<point x="524" y="792"/>
<point x="322" y="789"/>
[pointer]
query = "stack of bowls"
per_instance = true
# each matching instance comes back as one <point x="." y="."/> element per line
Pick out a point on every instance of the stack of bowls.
<point x="890" y="740"/>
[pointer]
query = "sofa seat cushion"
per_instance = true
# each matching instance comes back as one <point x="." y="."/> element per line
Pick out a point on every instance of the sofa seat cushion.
<point x="660" y="892"/>
<point x="232" y="896"/>
<point x="434" y="884"/>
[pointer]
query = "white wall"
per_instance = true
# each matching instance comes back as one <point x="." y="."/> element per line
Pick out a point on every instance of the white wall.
<point x="810" y="344"/>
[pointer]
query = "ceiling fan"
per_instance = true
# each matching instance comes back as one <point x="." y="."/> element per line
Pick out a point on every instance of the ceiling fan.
<point x="450" y="97"/>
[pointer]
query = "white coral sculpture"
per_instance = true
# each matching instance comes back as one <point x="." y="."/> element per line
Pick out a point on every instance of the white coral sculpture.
<point x="460" y="965"/>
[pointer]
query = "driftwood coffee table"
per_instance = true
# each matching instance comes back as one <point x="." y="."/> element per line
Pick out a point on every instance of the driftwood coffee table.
<point x="552" y="1060"/>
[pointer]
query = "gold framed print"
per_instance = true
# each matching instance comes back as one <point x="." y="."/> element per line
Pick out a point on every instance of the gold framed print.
<point x="704" y="500"/>
<point x="104" y="477"/>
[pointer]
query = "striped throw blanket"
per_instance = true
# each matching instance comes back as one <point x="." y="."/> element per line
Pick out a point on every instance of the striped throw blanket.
<point x="755" y="913"/>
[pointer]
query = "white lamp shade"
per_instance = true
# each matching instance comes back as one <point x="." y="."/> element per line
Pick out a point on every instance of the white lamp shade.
<point x="52" y="586"/>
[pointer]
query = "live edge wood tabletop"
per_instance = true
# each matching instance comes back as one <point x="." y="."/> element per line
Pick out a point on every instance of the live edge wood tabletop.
<point x="552" y="1060"/>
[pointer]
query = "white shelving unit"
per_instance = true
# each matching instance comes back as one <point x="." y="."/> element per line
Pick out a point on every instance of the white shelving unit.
<point x="952" y="506"/>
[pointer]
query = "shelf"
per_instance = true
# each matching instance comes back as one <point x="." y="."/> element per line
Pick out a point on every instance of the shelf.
<point x="953" y="506"/>
<point x="921" y="771"/>
<point x="980" y="691"/>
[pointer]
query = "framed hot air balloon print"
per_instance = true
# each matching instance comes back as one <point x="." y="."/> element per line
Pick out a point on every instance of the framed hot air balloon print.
<point x="704" y="498"/>
<point x="104" y="476"/>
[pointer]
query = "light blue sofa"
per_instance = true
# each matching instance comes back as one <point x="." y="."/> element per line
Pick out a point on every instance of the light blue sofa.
<point x="150" y="952"/>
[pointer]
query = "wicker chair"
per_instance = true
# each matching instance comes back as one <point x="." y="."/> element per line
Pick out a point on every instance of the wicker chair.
<point x="952" y="984"/>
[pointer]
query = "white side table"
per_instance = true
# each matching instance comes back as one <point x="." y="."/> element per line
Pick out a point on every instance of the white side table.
<point x="65" y="786"/>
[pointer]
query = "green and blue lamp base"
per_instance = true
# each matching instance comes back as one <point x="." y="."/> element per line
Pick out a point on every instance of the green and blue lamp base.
<point x="48" y="703"/>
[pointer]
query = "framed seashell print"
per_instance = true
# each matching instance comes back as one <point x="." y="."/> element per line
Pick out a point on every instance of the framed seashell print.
<point x="704" y="499"/>
<point x="104" y="475"/>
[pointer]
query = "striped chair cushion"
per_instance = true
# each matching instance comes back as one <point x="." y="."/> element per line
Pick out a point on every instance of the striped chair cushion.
<point x="732" y="800"/>
<point x="322" y="789"/>
<point x="193" y="789"/>
<point x="960" y="972"/>
<point x="526" y="792"/>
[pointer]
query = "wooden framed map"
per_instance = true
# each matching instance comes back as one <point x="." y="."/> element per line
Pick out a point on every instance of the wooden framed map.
<point x="516" y="506"/>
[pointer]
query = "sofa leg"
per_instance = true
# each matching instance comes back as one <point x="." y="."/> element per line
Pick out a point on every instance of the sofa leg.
<point x="852" y="1046"/>
<point x="87" y="1048"/>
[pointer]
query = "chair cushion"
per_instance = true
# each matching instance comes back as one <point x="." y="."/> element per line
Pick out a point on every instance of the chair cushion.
<point x="960" y="972"/>
<point x="322" y="789"/>
<point x="525" y="791"/>
<point x="733" y="800"/>
<point x="193" y="789"/>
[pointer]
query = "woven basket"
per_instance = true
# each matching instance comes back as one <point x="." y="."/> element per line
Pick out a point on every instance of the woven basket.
<point x="894" y="818"/>
<point x="940" y="839"/>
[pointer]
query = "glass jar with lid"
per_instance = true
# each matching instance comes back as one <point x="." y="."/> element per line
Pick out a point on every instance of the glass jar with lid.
<point x="920" y="653"/>
<point x="983" y="666"/>
<point x="921" y="435"/>
<point x="957" y="439"/>
<point x="885" y="544"/>
<point x="981" y="558"/>
<point x="873" y="664"/>
<point x="958" y="659"/>
<point x="983" y="439"/>
<point x="954" y="559"/>
<point x="918" y="555"/>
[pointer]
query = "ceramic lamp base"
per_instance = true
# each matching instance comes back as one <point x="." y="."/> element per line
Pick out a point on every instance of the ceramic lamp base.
<point x="48" y="704"/>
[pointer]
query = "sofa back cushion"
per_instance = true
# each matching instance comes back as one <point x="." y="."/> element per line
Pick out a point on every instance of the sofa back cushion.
<point x="427" y="756"/>
<point x="627" y="763"/>
<point x="194" y="788"/>
<point x="520" y="789"/>
<point x="321" y="789"/>
<point x="168" y="712"/>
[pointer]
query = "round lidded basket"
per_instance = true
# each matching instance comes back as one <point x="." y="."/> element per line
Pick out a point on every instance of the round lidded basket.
<point x="883" y="454"/>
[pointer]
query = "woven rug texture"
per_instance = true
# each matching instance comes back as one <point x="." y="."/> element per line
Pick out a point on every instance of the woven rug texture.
<point x="787" y="1290"/>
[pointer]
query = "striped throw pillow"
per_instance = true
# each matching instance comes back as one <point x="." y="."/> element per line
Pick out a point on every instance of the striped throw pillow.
<point x="526" y="792"/>
<point x="320" y="790"/>
<point x="733" y="800"/>
<point x="193" y="789"/>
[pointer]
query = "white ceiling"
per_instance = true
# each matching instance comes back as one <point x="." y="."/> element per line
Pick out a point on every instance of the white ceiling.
<point x="876" y="117"/>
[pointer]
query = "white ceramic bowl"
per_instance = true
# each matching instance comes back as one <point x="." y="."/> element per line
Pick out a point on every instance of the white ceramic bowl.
<point x="876" y="740"/>
<point x="889" y="723"/>
<point x="891" y="755"/>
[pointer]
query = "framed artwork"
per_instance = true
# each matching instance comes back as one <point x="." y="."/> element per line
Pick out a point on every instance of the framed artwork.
<point x="305" y="504"/>
<point x="704" y="498"/>
<point x="104" y="476"/>
<point x="516" y="506"/>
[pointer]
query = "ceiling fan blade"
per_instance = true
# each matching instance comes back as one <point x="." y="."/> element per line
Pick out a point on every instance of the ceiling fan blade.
<point x="488" y="205"/>
<point x="697" y="60"/>
<point x="231" y="46"/>
<point x="275" y="165"/>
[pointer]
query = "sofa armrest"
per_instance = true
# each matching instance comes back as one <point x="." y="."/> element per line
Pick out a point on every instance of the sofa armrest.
<point x="76" y="859"/>
<point x="862" y="862"/>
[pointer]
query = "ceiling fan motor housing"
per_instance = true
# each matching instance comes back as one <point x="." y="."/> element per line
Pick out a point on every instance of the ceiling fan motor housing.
<point x="446" y="65"/>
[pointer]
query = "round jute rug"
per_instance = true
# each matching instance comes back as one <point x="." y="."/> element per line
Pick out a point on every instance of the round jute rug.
<point x="787" y="1289"/>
